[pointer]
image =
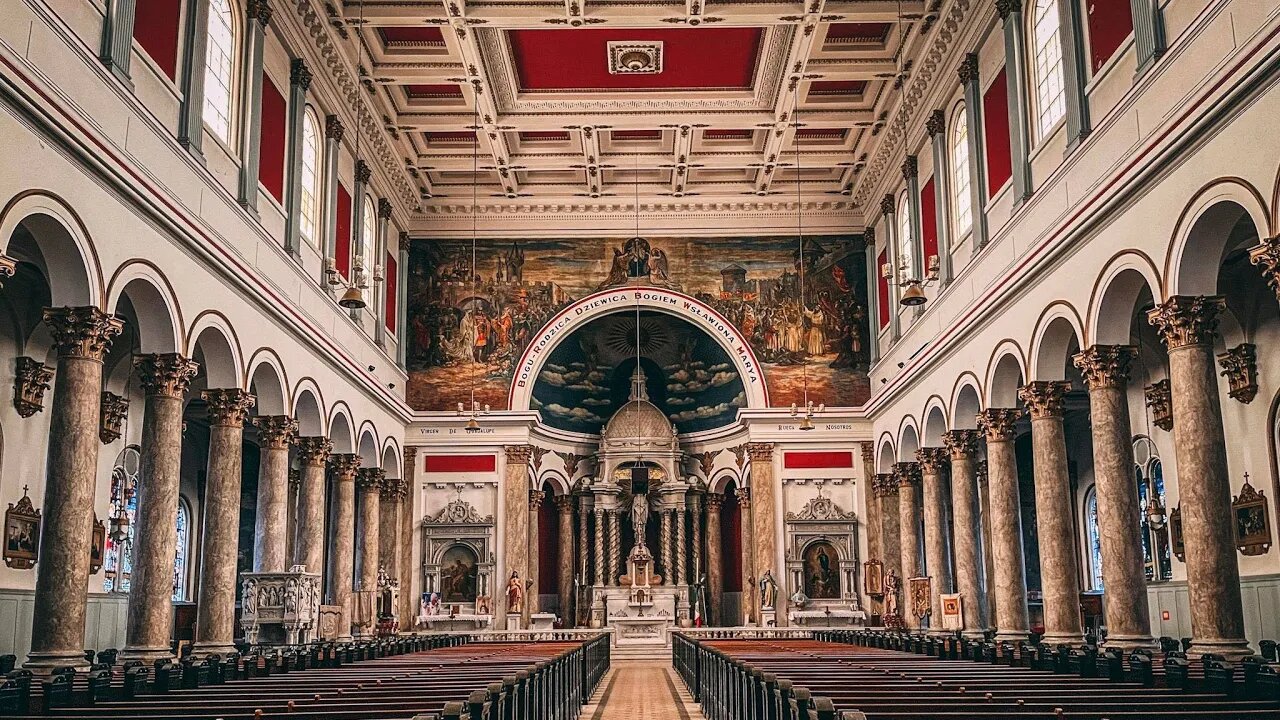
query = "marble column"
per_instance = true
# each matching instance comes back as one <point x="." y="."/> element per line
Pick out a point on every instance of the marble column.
<point x="531" y="597"/>
<point x="1106" y="373"/>
<point x="613" y="522"/>
<point x="1005" y="511"/>
<point x="908" y="475"/>
<point x="764" y="520"/>
<point x="291" y="514"/>
<point x="584" y="543"/>
<point x="1189" y="325"/>
<point x="695" y="516"/>
<point x="600" y="533"/>
<point x="82" y="336"/>
<point x="515" y="494"/>
<point x="308" y="544"/>
<point x="410" y="576"/>
<point x="389" y="529"/>
<point x="871" y="502"/>
<point x="937" y="555"/>
<point x="886" y="486"/>
<point x="165" y="378"/>
<point x="1059" y="571"/>
<point x="746" y="547"/>
<point x="715" y="563"/>
<point x="564" y="508"/>
<point x="369" y="486"/>
<point x="275" y="432"/>
<point x="666" y="539"/>
<point x="682" y="548"/>
<point x="963" y="448"/>
<point x="345" y="467"/>
<point x="988" y="561"/>
<point x="216" y="609"/>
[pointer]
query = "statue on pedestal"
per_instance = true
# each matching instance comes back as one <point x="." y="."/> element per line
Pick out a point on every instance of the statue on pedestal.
<point x="639" y="516"/>
<point x="891" y="593"/>
<point x="515" y="593"/>
<point x="768" y="591"/>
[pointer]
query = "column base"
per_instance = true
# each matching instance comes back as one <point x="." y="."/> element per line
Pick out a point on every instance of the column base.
<point x="1014" y="636"/>
<point x="1230" y="648"/>
<point x="145" y="655"/>
<point x="1131" y="642"/>
<point x="1063" y="639"/>
<point x="43" y="663"/>
<point x="205" y="649"/>
<point x="978" y="634"/>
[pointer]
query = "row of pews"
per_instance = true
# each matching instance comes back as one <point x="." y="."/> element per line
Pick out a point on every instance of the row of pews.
<point x="838" y="674"/>
<point x="417" y="677"/>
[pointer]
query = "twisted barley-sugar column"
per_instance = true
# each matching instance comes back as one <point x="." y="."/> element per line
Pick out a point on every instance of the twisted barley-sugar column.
<point x="962" y="445"/>
<point x="564" y="559"/>
<point x="275" y="432"/>
<point x="908" y="474"/>
<point x="1105" y="369"/>
<point x="715" y="562"/>
<point x="601" y="534"/>
<point x="344" y="466"/>
<point x="584" y="542"/>
<point x="613" y="519"/>
<point x="694" y="510"/>
<point x="515" y="495"/>
<point x="165" y="379"/>
<point x="665" y="540"/>
<point x="764" y="520"/>
<point x="746" y="547"/>
<point x="531" y="581"/>
<point x="1059" y="578"/>
<point x="216" y="608"/>
<point x="309" y="540"/>
<point x="1189" y="325"/>
<point x="369" y="486"/>
<point x="1010" y="576"/>
<point x="682" y="549"/>
<point x="937" y="557"/>
<point x="82" y="336"/>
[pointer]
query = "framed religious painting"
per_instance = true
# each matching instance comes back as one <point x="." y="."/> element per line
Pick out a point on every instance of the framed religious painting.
<point x="1251" y="521"/>
<point x="97" y="549"/>
<point x="1175" y="534"/>
<point x="873" y="578"/>
<point x="22" y="534"/>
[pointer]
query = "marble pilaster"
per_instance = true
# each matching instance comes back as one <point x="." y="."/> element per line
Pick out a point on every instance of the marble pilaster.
<point x="165" y="378"/>
<point x="344" y="468"/>
<point x="536" y="498"/>
<point x="908" y="476"/>
<point x="937" y="556"/>
<point x="515" y="494"/>
<point x="1059" y="576"/>
<point x="564" y="508"/>
<point x="963" y="448"/>
<point x="715" y="563"/>
<point x="215" y="611"/>
<point x="764" y="520"/>
<point x="82" y="336"/>
<point x="308" y="544"/>
<point x="871" y="502"/>
<point x="1105" y="369"/>
<point x="275" y="432"/>
<point x="1189" y="326"/>
<point x="410" y="578"/>
<point x="886" y="485"/>
<point x="1009" y="596"/>
<point x="745" y="546"/>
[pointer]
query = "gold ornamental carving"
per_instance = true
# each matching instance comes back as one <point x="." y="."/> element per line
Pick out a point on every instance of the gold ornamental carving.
<point x="22" y="534"/>
<point x="228" y="407"/>
<point x="998" y="424"/>
<point x="1159" y="398"/>
<point x="760" y="452"/>
<point x="1251" y="520"/>
<point x="518" y="454"/>
<point x="1240" y="368"/>
<point x="277" y="431"/>
<point x="165" y="374"/>
<point x="1105" y="365"/>
<point x="82" y="332"/>
<point x="30" y="381"/>
<point x="961" y="443"/>
<point x="1045" y="398"/>
<point x="932" y="459"/>
<point x="1267" y="257"/>
<point x="114" y="408"/>
<point x="743" y="496"/>
<point x="1185" y="320"/>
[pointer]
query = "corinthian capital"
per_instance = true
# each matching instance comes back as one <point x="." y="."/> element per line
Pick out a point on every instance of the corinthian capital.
<point x="228" y="406"/>
<point x="276" y="431"/>
<point x="313" y="450"/>
<point x="760" y="452"/>
<point x="961" y="443"/>
<point x="936" y="124"/>
<point x="1184" y="320"/>
<point x="83" y="332"/>
<point x="370" y="479"/>
<point x="998" y="423"/>
<point x="907" y="473"/>
<point x="1267" y="257"/>
<point x="345" y="465"/>
<point x="1044" y="398"/>
<point x="885" y="485"/>
<point x="165" y="374"/>
<point x="518" y="454"/>
<point x="931" y="459"/>
<point x="1105" y="365"/>
<point x="969" y="69"/>
<point x="1008" y="7"/>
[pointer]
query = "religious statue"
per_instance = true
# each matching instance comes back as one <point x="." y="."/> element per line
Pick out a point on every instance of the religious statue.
<point x="483" y="605"/>
<point x="799" y="599"/>
<point x="640" y="516"/>
<point x="891" y="593"/>
<point x="515" y="593"/>
<point x="768" y="590"/>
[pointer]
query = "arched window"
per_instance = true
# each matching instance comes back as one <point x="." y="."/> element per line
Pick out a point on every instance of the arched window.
<point x="219" y="69"/>
<point x="310" y="178"/>
<point x="1094" y="535"/>
<point x="180" y="556"/>
<point x="906" y="242"/>
<point x="1051" y="101"/>
<point x="961" y="199"/>
<point x="368" y="246"/>
<point x="1157" y="549"/>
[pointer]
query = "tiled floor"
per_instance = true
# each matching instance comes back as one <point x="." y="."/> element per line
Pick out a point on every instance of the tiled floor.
<point x="641" y="690"/>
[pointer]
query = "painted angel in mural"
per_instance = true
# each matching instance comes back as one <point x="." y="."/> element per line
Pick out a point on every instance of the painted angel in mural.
<point x="617" y="271"/>
<point x="658" y="269"/>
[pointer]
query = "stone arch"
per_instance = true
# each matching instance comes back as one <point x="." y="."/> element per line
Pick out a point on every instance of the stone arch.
<point x="887" y="455"/>
<point x="391" y="459"/>
<point x="1057" y="333"/>
<point x="1115" y="296"/>
<point x="1204" y="232"/>
<point x="368" y="447"/>
<point x="267" y="381"/>
<point x="908" y="440"/>
<point x="40" y="229"/>
<point x="213" y="342"/>
<point x="935" y="422"/>
<point x="307" y="403"/>
<point x="721" y="480"/>
<point x="1005" y="374"/>
<point x="966" y="402"/>
<point x="559" y="485"/>
<point x="341" y="429"/>
<point x="143" y="296"/>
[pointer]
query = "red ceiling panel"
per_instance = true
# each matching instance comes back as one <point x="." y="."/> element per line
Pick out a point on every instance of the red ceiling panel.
<point x="392" y="36"/>
<point x="838" y="87"/>
<point x="433" y="91"/>
<point x="693" y="59"/>
<point x="636" y="134"/>
<point x="820" y="133"/>
<point x="858" y="32"/>
<point x="727" y="134"/>
<point x="929" y="219"/>
<point x="1109" y="24"/>
<point x="544" y="136"/>
<point x="882" y="289"/>
<point x="449" y="138"/>
<point x="156" y="30"/>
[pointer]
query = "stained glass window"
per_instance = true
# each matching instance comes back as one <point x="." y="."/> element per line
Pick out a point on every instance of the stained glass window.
<point x="180" y="557"/>
<point x="1095" y="538"/>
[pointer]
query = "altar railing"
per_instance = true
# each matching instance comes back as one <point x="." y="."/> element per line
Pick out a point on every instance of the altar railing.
<point x="562" y="635"/>
<point x="746" y="633"/>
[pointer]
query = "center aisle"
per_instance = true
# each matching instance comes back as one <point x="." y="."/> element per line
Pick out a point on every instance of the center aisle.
<point x="640" y="690"/>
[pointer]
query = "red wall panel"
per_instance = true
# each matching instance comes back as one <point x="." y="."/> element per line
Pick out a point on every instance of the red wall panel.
<point x="882" y="289"/>
<point x="995" y="118"/>
<point x="460" y="463"/>
<point x="548" y="546"/>
<point x="810" y="460"/>
<point x="731" y="542"/>
<point x="343" y="234"/>
<point x="275" y="111"/>
<point x="928" y="221"/>
<point x="393" y="280"/>
<point x="1110" y="22"/>
<point x="155" y="27"/>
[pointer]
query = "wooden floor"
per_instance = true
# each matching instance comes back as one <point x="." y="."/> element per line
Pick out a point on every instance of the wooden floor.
<point x="641" y="690"/>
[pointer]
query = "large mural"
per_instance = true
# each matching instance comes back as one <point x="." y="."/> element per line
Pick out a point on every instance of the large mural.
<point x="467" y="332"/>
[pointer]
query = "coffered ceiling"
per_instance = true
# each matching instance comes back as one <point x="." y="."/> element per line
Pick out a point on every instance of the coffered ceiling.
<point x="575" y="101"/>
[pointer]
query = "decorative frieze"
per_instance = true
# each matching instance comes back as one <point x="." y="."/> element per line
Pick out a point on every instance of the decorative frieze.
<point x="1240" y="368"/>
<point x="30" y="381"/>
<point x="114" y="408"/>
<point x="1159" y="397"/>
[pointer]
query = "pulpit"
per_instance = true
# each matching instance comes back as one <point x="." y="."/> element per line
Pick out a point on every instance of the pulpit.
<point x="280" y="608"/>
